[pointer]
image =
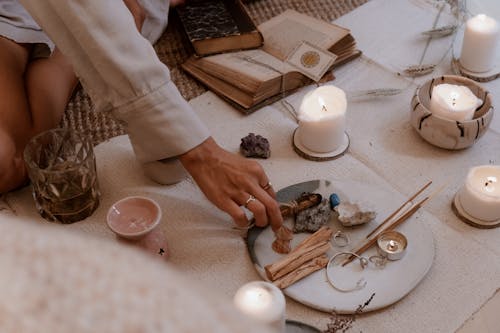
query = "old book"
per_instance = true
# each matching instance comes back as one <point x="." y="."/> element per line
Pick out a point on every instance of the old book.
<point x="216" y="26"/>
<point x="253" y="78"/>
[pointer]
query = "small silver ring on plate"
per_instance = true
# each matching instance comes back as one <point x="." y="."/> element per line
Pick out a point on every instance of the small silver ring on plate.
<point x="250" y="199"/>
<point x="267" y="186"/>
<point x="341" y="239"/>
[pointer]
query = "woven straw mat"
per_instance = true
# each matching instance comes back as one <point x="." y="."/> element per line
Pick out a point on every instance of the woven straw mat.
<point x="173" y="49"/>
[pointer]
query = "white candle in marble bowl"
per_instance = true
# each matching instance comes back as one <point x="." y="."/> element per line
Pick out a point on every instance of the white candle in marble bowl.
<point x="322" y="119"/>
<point x="480" y="195"/>
<point x="479" y="46"/>
<point x="453" y="102"/>
<point x="264" y="302"/>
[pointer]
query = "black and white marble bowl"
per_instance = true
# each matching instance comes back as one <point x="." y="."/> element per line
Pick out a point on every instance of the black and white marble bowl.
<point x="445" y="133"/>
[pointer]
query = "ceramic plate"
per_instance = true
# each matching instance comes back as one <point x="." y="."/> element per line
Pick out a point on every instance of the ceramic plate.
<point x="389" y="284"/>
<point x="293" y="326"/>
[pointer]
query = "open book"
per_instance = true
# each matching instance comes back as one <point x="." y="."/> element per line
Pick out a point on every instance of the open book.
<point x="253" y="78"/>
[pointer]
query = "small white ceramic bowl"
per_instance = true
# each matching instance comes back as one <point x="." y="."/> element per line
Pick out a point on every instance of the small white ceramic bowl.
<point x="445" y="133"/>
<point x="133" y="217"/>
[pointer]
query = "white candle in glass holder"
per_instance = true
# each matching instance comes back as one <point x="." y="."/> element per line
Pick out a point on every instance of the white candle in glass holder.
<point x="453" y="102"/>
<point x="479" y="46"/>
<point x="480" y="195"/>
<point x="264" y="302"/>
<point x="322" y="119"/>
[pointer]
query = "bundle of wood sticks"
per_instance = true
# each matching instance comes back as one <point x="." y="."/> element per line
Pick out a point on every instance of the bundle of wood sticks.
<point x="306" y="258"/>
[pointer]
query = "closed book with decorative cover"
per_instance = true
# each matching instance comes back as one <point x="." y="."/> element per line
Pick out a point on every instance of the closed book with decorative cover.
<point x="217" y="26"/>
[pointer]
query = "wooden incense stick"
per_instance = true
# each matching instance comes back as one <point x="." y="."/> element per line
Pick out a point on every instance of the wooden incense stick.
<point x="389" y="218"/>
<point x="394" y="224"/>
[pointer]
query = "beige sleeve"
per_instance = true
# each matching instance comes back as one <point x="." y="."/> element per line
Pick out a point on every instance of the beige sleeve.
<point x="122" y="73"/>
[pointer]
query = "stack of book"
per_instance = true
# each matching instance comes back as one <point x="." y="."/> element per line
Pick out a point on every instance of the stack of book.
<point x="246" y="71"/>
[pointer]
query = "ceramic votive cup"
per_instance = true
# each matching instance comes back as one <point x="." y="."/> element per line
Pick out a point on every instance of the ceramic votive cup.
<point x="133" y="217"/>
<point x="446" y="133"/>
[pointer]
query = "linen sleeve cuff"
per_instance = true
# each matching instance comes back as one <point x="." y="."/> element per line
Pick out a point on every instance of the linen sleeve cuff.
<point x="161" y="124"/>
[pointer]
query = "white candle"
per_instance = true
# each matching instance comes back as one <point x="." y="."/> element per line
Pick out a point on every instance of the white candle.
<point x="479" y="46"/>
<point x="264" y="302"/>
<point x="322" y="119"/>
<point x="453" y="102"/>
<point x="480" y="195"/>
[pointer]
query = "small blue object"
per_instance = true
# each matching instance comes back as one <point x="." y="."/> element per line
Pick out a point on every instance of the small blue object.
<point x="334" y="200"/>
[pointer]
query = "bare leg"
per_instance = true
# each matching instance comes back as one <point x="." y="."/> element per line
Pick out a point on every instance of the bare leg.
<point x="33" y="97"/>
<point x="49" y="85"/>
<point x="14" y="115"/>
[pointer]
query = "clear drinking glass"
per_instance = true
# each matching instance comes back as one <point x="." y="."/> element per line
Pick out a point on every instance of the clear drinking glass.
<point x="63" y="175"/>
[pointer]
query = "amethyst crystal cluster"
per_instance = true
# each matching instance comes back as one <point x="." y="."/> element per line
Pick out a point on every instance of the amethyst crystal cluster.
<point x="255" y="146"/>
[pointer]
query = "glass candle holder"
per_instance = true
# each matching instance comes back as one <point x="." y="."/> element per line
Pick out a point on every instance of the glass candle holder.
<point x="62" y="170"/>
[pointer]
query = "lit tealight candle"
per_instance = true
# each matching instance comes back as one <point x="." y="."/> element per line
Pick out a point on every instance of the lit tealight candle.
<point x="263" y="302"/>
<point x="480" y="195"/>
<point x="322" y="119"/>
<point x="480" y="44"/>
<point x="453" y="102"/>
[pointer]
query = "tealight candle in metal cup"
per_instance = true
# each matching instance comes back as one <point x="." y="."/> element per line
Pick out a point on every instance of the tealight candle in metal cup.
<point x="392" y="244"/>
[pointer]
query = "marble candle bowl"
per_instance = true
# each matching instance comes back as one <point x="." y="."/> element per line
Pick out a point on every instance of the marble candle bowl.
<point x="133" y="217"/>
<point x="446" y="133"/>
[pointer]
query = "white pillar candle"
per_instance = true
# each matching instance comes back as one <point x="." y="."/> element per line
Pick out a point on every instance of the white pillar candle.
<point x="264" y="302"/>
<point x="453" y="102"/>
<point x="480" y="195"/>
<point x="322" y="119"/>
<point x="479" y="46"/>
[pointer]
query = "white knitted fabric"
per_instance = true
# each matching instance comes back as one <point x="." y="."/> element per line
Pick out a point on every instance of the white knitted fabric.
<point x="52" y="280"/>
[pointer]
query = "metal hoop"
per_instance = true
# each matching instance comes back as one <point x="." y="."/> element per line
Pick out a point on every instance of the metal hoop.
<point x="360" y="284"/>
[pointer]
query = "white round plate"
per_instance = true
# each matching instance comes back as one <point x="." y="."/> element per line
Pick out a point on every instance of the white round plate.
<point x="389" y="285"/>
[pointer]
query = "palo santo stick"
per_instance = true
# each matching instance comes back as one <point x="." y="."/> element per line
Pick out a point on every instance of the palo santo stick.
<point x="304" y="202"/>
<point x="302" y="271"/>
<point x="399" y="209"/>
<point x="294" y="260"/>
<point x="323" y="234"/>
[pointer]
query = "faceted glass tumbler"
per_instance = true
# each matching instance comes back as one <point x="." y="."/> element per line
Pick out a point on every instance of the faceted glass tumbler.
<point x="62" y="170"/>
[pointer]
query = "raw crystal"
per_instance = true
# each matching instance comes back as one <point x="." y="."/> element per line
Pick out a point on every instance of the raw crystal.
<point x="351" y="214"/>
<point x="255" y="146"/>
<point x="311" y="219"/>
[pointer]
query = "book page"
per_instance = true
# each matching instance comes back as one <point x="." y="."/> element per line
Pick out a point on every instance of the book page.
<point x="256" y="64"/>
<point x="286" y="31"/>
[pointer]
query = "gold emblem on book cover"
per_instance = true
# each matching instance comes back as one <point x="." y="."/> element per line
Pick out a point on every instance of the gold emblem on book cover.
<point x="310" y="59"/>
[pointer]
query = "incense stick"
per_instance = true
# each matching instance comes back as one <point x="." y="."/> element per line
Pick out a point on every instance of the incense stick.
<point x="399" y="209"/>
<point x="394" y="224"/>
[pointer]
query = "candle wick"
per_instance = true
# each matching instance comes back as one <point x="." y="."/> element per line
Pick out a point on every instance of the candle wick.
<point x="323" y="108"/>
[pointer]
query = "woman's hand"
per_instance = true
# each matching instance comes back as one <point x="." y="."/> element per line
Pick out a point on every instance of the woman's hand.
<point x="231" y="181"/>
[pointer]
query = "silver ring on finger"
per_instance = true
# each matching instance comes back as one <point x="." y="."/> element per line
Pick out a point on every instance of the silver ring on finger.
<point x="267" y="186"/>
<point x="249" y="200"/>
